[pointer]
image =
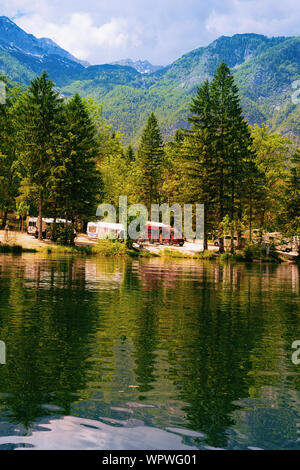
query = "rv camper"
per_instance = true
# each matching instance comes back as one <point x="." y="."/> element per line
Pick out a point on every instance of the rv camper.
<point x="33" y="225"/>
<point x="157" y="232"/>
<point x="104" y="230"/>
<point x="281" y="243"/>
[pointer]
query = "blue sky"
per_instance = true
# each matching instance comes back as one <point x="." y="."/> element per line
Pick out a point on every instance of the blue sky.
<point x="161" y="31"/>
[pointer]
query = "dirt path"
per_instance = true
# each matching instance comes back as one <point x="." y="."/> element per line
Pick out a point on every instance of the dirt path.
<point x="23" y="239"/>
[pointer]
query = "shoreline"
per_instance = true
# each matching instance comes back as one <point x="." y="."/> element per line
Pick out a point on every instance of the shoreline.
<point x="21" y="242"/>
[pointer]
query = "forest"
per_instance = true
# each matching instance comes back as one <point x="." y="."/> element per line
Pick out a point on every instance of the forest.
<point x="59" y="157"/>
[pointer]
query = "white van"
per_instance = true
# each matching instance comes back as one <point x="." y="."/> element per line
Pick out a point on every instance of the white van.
<point x="31" y="225"/>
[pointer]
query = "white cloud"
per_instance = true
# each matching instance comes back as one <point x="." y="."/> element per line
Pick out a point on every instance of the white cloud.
<point x="268" y="17"/>
<point x="81" y="37"/>
<point x="11" y="8"/>
<point x="159" y="30"/>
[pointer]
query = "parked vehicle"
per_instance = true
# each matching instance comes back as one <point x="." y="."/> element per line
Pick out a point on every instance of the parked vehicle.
<point x="104" y="230"/>
<point x="227" y="241"/>
<point x="157" y="232"/>
<point x="296" y="243"/>
<point x="281" y="243"/>
<point x="47" y="224"/>
<point x="31" y="225"/>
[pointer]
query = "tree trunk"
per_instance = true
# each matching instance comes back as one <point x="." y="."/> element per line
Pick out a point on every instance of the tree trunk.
<point x="40" y="217"/>
<point x="250" y="221"/>
<point x="205" y="244"/>
<point x="232" y="241"/>
<point x="4" y="219"/>
<point x="261" y="227"/>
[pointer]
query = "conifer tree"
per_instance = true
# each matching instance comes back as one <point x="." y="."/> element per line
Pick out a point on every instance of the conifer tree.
<point x="289" y="218"/>
<point x="150" y="162"/>
<point x="76" y="184"/>
<point x="9" y="177"/>
<point x="220" y="141"/>
<point x="38" y="112"/>
<point x="200" y="150"/>
<point x="233" y="142"/>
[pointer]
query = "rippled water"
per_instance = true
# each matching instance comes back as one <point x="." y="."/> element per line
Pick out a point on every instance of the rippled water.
<point x="150" y="354"/>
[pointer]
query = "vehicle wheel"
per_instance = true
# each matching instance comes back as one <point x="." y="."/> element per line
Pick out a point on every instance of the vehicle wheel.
<point x="216" y="244"/>
<point x="287" y="250"/>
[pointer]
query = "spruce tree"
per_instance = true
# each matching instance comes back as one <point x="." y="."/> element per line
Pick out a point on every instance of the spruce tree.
<point x="9" y="177"/>
<point x="76" y="184"/>
<point x="150" y="162"/>
<point x="289" y="217"/>
<point x="220" y="141"/>
<point x="199" y="148"/>
<point x="38" y="112"/>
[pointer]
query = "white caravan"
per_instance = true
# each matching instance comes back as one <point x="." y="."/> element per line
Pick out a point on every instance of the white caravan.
<point x="104" y="230"/>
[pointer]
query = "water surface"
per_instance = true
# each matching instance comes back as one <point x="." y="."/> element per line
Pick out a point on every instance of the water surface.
<point x="148" y="354"/>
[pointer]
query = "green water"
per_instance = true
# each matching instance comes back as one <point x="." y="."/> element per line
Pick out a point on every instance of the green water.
<point x="151" y="354"/>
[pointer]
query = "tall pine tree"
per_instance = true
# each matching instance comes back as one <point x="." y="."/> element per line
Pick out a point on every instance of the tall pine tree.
<point x="220" y="141"/>
<point x="76" y="183"/>
<point x="150" y="162"/>
<point x="37" y="127"/>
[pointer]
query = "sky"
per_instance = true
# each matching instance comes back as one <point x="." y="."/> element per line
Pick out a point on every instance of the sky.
<point x="161" y="31"/>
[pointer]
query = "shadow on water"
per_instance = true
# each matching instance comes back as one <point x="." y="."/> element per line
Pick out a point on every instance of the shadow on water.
<point x="148" y="354"/>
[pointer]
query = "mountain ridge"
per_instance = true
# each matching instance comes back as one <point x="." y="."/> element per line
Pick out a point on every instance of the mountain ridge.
<point x="264" y="69"/>
<point x="142" y="66"/>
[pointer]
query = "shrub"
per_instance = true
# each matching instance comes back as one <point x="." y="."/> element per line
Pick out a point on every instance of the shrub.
<point x="108" y="247"/>
<point x="206" y="254"/>
<point x="16" y="249"/>
<point x="251" y="251"/>
<point x="66" y="236"/>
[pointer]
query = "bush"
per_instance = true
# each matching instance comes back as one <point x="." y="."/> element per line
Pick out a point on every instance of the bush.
<point x="66" y="236"/>
<point x="251" y="251"/>
<point x="225" y="256"/>
<point x="206" y="254"/>
<point x="16" y="249"/>
<point x="109" y="247"/>
<point x="273" y="254"/>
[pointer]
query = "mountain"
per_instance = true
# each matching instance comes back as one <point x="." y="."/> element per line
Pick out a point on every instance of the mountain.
<point x="142" y="66"/>
<point x="265" y="70"/>
<point x="13" y="39"/>
<point x="23" y="56"/>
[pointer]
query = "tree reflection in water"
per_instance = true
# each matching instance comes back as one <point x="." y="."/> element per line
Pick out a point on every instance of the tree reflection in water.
<point x="170" y="344"/>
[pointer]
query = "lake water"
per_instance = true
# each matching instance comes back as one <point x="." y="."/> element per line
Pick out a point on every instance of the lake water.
<point x="148" y="354"/>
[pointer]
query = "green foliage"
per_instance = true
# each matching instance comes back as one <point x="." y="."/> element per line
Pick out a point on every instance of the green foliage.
<point x="37" y="112"/>
<point x="264" y="69"/>
<point x="65" y="235"/>
<point x="150" y="162"/>
<point x="75" y="183"/>
<point x="206" y="254"/>
<point x="108" y="247"/>
<point x="218" y="147"/>
<point x="289" y="216"/>
<point x="252" y="251"/>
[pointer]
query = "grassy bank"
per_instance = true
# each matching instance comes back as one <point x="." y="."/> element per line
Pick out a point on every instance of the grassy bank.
<point x="16" y="249"/>
<point x="117" y="248"/>
<point x="251" y="253"/>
